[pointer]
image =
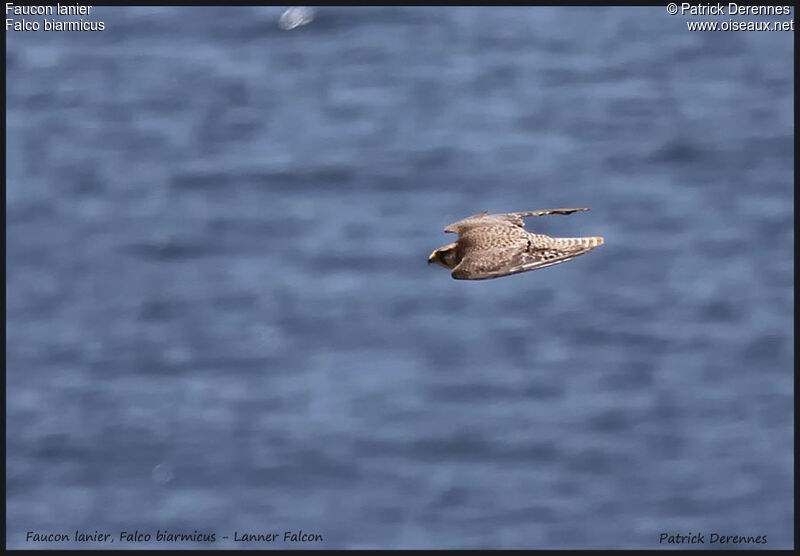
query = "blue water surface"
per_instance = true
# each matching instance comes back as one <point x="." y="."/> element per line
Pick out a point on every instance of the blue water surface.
<point x="220" y="317"/>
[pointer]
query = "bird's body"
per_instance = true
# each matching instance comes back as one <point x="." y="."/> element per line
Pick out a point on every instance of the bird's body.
<point x="494" y="245"/>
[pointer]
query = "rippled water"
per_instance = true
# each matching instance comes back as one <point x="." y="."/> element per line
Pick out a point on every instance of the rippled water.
<point x="219" y="312"/>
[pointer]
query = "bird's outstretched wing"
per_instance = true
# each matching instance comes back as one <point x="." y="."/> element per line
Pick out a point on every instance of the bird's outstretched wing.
<point x="476" y="268"/>
<point x="486" y="256"/>
<point x="514" y="218"/>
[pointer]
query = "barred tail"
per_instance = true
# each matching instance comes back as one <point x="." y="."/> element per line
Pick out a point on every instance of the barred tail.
<point x="577" y="243"/>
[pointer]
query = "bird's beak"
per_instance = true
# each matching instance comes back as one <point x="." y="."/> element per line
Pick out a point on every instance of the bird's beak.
<point x="432" y="257"/>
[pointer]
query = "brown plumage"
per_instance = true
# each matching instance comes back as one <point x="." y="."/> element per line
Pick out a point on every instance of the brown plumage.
<point x="494" y="245"/>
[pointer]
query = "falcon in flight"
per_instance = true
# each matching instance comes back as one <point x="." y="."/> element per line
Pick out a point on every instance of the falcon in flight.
<point x="494" y="245"/>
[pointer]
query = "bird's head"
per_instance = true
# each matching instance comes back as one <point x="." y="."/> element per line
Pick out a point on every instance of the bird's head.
<point x="444" y="256"/>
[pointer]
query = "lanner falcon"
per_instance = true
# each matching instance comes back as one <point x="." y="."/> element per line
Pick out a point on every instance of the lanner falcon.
<point x="494" y="245"/>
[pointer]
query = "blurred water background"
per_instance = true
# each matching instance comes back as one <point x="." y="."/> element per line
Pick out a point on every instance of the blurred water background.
<point x="219" y="312"/>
